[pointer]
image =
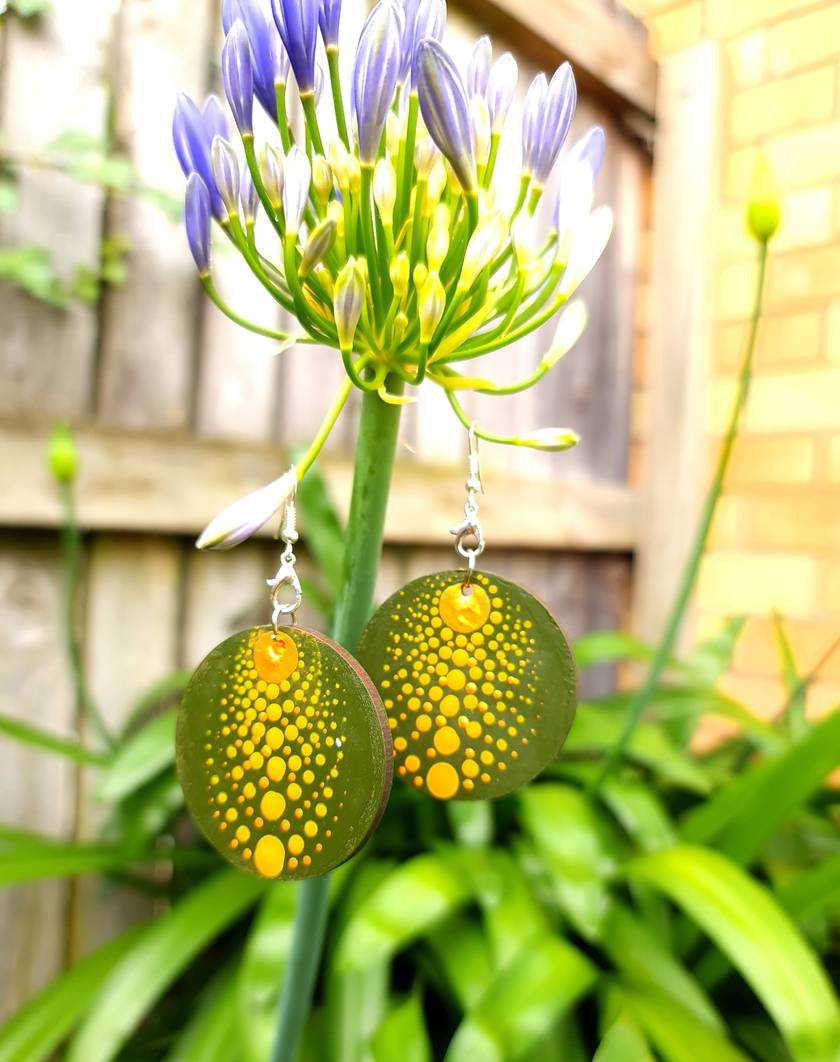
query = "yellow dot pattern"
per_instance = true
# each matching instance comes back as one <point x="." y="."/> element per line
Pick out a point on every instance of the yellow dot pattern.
<point x="479" y="684"/>
<point x="283" y="753"/>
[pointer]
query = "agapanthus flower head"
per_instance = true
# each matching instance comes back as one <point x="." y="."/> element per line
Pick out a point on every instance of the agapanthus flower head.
<point x="376" y="74"/>
<point x="297" y="23"/>
<point x="446" y="112"/>
<point x="397" y="243"/>
<point x="238" y="77"/>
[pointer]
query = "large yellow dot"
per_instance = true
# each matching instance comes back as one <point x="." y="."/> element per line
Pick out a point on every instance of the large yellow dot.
<point x="275" y="656"/>
<point x="412" y="763"/>
<point x="450" y="704"/>
<point x="470" y="768"/>
<point x="293" y="791"/>
<point x="274" y="737"/>
<point x="464" y="612"/>
<point x="447" y="741"/>
<point x="275" y="768"/>
<point x="295" y="843"/>
<point x="272" y="805"/>
<point x="442" y="780"/>
<point x="456" y="680"/>
<point x="269" y="856"/>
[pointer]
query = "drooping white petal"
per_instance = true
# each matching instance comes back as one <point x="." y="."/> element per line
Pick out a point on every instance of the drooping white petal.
<point x="239" y="521"/>
<point x="569" y="330"/>
<point x="587" y="247"/>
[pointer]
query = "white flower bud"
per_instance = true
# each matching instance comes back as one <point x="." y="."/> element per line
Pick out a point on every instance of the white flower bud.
<point x="245" y="517"/>
<point x="385" y="190"/>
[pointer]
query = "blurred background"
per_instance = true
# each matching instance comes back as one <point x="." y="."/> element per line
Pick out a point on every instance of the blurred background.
<point x="176" y="412"/>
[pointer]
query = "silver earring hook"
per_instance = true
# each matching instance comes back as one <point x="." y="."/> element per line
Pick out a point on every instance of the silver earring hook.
<point x="469" y="539"/>
<point x="286" y="577"/>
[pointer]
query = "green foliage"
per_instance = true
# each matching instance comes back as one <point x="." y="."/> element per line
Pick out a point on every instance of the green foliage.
<point x="25" y="8"/>
<point x="687" y="910"/>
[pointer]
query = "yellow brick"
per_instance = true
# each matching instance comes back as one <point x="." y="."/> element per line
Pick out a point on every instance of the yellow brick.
<point x="832" y="333"/>
<point x="782" y="105"/>
<point x="747" y="59"/>
<point x="801" y="402"/>
<point x="807" y="220"/>
<point x="728" y="17"/>
<point x="831" y="583"/>
<point x="806" y="275"/>
<point x="740" y="581"/>
<point x="805" y="40"/>
<point x="676" y="29"/>
<point x="771" y="460"/>
<point x="736" y="290"/>
<point x="789" y="340"/>
<point x="800" y="522"/>
<point x="802" y="159"/>
<point x="834" y="459"/>
<point x="757" y="653"/>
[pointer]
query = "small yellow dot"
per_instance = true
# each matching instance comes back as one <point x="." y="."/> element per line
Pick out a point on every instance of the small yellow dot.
<point x="310" y="828"/>
<point x="272" y="805"/>
<point x="293" y="791"/>
<point x="242" y="834"/>
<point x="320" y="810"/>
<point x="412" y="764"/>
<point x="424" y="723"/>
<point x="295" y="844"/>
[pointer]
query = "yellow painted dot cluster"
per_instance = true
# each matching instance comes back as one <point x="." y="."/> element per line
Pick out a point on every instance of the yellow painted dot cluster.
<point x="455" y="680"/>
<point x="272" y="789"/>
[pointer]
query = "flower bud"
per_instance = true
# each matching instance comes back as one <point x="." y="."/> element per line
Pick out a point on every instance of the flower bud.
<point x="399" y="273"/>
<point x="354" y="172"/>
<point x="329" y="19"/>
<point x="322" y="179"/>
<point x="426" y="155"/>
<point x="763" y="209"/>
<point x="481" y="129"/>
<point x="437" y="245"/>
<point x="273" y="175"/>
<point x="478" y="67"/>
<point x="501" y="86"/>
<point x="192" y="134"/>
<point x="431" y="304"/>
<point x="248" y="198"/>
<point x="400" y="326"/>
<point x="486" y="244"/>
<point x="421" y="273"/>
<point x="423" y="19"/>
<point x="335" y="212"/>
<point x="375" y="75"/>
<point x="348" y="302"/>
<point x="238" y="77"/>
<point x="245" y="517"/>
<point x="588" y="246"/>
<point x="297" y="23"/>
<point x="443" y="103"/>
<point x="435" y="188"/>
<point x="551" y="440"/>
<point x="321" y="241"/>
<point x="197" y="220"/>
<point x="385" y="190"/>
<point x="569" y="330"/>
<point x="550" y="125"/>
<point x="226" y="172"/>
<point x="524" y="237"/>
<point x="297" y="177"/>
<point x="394" y="130"/>
<point x="269" y="59"/>
<point x="62" y="455"/>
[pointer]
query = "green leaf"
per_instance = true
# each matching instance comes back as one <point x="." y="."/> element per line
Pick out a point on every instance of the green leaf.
<point x="610" y="647"/>
<point x="640" y="812"/>
<point x="472" y="822"/>
<point x="211" y="1034"/>
<point x="796" y="689"/>
<point x="262" y="971"/>
<point x="140" y="978"/>
<point x="740" y="818"/>
<point x="575" y="843"/>
<point x="168" y="688"/>
<point x="37" y="1029"/>
<point x="410" y="902"/>
<point x="511" y="912"/>
<point x="524" y="1001"/>
<point x="813" y="891"/>
<point x="623" y="1042"/>
<point x="43" y="739"/>
<point x="139" y="758"/>
<point x="675" y="1032"/>
<point x="44" y="858"/>
<point x="76" y="142"/>
<point x="9" y="200"/>
<point x="31" y="269"/>
<point x="748" y="926"/>
<point x="713" y="657"/>
<point x="463" y="954"/>
<point x="402" y="1035"/>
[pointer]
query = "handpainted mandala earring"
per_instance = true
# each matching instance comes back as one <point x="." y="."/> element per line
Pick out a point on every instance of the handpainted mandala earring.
<point x="283" y="748"/>
<point x="476" y="676"/>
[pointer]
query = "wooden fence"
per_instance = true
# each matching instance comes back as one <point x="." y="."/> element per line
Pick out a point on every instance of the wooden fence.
<point x="177" y="412"/>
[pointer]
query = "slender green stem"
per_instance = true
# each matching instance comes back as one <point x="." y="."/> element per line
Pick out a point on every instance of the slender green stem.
<point x="375" y="452"/>
<point x="307" y="100"/>
<point x="338" y="101"/>
<point x="241" y="321"/>
<point x="665" y="648"/>
<point x="311" y="455"/>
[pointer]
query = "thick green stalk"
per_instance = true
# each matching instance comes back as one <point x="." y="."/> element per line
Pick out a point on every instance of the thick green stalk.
<point x="665" y="648"/>
<point x="375" y="451"/>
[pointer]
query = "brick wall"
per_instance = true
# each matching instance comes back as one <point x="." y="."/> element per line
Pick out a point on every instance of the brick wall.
<point x="776" y="544"/>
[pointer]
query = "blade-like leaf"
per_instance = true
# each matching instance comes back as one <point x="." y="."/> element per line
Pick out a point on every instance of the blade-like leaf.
<point x="143" y="975"/>
<point x="211" y="1033"/>
<point x="37" y="1029"/>
<point x="414" y="898"/>
<point x="31" y="861"/>
<point x="640" y="812"/>
<point x="740" y="818"/>
<point x="610" y="647"/>
<point x="472" y="822"/>
<point x="675" y="1032"/>
<point x="140" y="758"/>
<point x="166" y="690"/>
<point x="463" y="954"/>
<point x="748" y="926"/>
<point x="813" y="891"/>
<point x="47" y="742"/>
<point x="524" y="1001"/>
<point x="796" y="689"/>
<point x="623" y="1042"/>
<point x="402" y="1036"/>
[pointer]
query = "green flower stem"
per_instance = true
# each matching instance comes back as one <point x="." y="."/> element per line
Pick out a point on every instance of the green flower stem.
<point x="375" y="451"/>
<point x="338" y="102"/>
<point x="256" y="177"/>
<point x="286" y="138"/>
<point x="405" y="165"/>
<point x="309" y="458"/>
<point x="665" y="648"/>
<point x="370" y="244"/>
<point x="307" y="100"/>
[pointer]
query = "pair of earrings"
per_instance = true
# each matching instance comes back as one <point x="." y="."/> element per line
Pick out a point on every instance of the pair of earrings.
<point x="464" y="685"/>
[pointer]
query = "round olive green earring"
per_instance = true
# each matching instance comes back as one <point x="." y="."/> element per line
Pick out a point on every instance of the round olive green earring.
<point x="283" y="748"/>
<point x="477" y="678"/>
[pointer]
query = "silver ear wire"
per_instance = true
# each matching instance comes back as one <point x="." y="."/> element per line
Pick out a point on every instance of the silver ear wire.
<point x="469" y="539"/>
<point x="286" y="576"/>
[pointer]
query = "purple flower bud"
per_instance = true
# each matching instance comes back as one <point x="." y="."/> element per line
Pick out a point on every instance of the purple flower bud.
<point x="215" y="118"/>
<point x="478" y="68"/>
<point x="297" y="21"/>
<point x="297" y="177"/>
<point x="501" y="85"/>
<point x="192" y="146"/>
<point x="329" y="18"/>
<point x="273" y="170"/>
<point x="424" y="19"/>
<point x="268" y="56"/>
<point x="531" y="113"/>
<point x="248" y="196"/>
<point x="226" y="172"/>
<point x="590" y="150"/>
<point x="238" y="77"/>
<point x="443" y="102"/>
<point x="375" y="75"/>
<point x="197" y="220"/>
<point x="552" y="124"/>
